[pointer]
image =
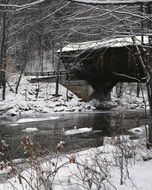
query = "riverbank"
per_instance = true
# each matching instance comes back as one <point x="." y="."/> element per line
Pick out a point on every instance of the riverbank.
<point x="129" y="98"/>
<point x="33" y="98"/>
<point x="105" y="167"/>
<point x="39" y="98"/>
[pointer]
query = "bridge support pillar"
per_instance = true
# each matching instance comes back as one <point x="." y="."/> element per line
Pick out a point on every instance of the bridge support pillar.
<point x="102" y="96"/>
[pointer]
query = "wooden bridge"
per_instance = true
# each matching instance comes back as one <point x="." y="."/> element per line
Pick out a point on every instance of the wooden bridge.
<point x="104" y="63"/>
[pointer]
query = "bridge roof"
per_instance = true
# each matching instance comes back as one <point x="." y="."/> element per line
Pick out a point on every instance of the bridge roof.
<point x="113" y="42"/>
<point x="111" y="2"/>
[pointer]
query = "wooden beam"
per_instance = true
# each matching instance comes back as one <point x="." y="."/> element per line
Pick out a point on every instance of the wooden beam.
<point x="110" y="2"/>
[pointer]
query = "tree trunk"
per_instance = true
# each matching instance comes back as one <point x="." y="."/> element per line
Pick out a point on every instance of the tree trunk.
<point x="3" y="52"/>
<point x="57" y="78"/>
<point x="149" y="83"/>
<point x="138" y="89"/>
<point x="23" y="66"/>
<point x="119" y="87"/>
<point x="18" y="82"/>
<point x="58" y="72"/>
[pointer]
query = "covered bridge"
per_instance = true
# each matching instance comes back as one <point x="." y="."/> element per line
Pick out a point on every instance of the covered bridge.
<point x="104" y="63"/>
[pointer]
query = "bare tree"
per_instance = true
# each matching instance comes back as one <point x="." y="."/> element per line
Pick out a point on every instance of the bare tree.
<point x="3" y="46"/>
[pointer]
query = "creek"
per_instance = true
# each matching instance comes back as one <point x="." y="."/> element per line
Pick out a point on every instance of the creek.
<point x="79" y="130"/>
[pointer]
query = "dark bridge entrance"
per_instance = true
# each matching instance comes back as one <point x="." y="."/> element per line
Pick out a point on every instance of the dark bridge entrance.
<point x="105" y="63"/>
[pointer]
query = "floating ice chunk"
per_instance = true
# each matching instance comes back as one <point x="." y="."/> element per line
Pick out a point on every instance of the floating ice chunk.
<point x="77" y="131"/>
<point x="13" y="124"/>
<point x="26" y="120"/>
<point x="30" y="130"/>
<point x="139" y="130"/>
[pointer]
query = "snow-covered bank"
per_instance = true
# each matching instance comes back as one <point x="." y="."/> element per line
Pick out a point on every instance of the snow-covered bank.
<point x="129" y="99"/>
<point x="39" y="98"/>
<point x="120" y="164"/>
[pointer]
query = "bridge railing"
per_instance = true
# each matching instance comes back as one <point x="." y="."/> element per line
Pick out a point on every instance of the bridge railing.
<point x="46" y="73"/>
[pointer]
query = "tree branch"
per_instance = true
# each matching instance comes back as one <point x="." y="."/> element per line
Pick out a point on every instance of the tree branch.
<point x="23" y="5"/>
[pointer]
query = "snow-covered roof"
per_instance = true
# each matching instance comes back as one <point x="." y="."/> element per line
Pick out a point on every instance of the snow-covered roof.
<point x="110" y="2"/>
<point x="114" y="42"/>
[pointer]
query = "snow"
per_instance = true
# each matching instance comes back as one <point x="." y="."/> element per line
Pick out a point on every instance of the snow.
<point x="77" y="131"/>
<point x="139" y="130"/>
<point x="14" y="124"/>
<point x="26" y="120"/>
<point x="28" y="102"/>
<point x="90" y="168"/>
<point x="114" y="42"/>
<point x="5" y="170"/>
<point x="30" y="130"/>
<point x="23" y="5"/>
<point x="129" y="99"/>
<point x="110" y="2"/>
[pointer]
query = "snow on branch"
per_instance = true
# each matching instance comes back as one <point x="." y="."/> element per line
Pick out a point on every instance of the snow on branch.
<point x="111" y="2"/>
<point x="22" y="5"/>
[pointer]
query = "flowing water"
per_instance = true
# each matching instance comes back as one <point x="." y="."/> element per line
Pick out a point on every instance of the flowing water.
<point x="49" y="130"/>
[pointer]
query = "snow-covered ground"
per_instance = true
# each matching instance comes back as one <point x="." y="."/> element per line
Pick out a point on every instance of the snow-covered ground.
<point x="120" y="164"/>
<point x="129" y="99"/>
<point x="39" y="98"/>
<point x="30" y="100"/>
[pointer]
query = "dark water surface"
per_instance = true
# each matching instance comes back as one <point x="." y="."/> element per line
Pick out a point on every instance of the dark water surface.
<point x="51" y="132"/>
